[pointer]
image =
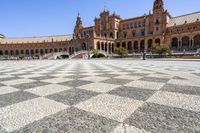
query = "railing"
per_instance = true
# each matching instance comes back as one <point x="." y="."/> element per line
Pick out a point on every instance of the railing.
<point x="86" y="52"/>
<point x="77" y="53"/>
<point x="53" y="55"/>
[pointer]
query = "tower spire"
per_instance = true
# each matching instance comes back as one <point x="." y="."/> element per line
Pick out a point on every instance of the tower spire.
<point x="105" y="5"/>
<point x="78" y="13"/>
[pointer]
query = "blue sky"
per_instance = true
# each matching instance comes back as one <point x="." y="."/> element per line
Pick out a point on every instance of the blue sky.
<point x="27" y="18"/>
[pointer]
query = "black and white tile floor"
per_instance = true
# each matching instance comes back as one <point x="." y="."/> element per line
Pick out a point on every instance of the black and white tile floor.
<point x="109" y="96"/>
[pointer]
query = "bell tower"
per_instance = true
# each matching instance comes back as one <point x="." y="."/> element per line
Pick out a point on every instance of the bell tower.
<point x="158" y="6"/>
<point x="78" y="26"/>
<point x="158" y="17"/>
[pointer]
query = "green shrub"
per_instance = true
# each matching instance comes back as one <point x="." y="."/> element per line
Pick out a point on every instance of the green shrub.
<point x="97" y="54"/>
<point x="160" y="49"/>
<point x="121" y="52"/>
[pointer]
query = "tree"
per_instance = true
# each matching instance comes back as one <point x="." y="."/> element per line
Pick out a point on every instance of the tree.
<point x="121" y="52"/>
<point x="160" y="49"/>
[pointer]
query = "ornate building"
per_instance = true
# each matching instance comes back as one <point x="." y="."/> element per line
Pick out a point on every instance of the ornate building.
<point x="110" y="31"/>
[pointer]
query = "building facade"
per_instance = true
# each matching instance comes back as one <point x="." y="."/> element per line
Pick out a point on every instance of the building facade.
<point x="138" y="34"/>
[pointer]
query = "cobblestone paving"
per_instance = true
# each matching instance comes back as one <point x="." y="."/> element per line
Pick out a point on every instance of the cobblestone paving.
<point x="99" y="96"/>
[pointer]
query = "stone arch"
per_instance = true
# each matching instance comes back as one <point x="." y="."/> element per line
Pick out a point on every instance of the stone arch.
<point x="36" y="51"/>
<point x="70" y="50"/>
<point x="51" y="50"/>
<point x="110" y="48"/>
<point x="6" y="52"/>
<point x="142" y="46"/>
<point x="113" y="48"/>
<point x="1" y="52"/>
<point x="84" y="46"/>
<point x="41" y="51"/>
<point x="174" y="43"/>
<point x="102" y="46"/>
<point x="118" y="45"/>
<point x="11" y="52"/>
<point x="17" y="52"/>
<point x="185" y="43"/>
<point x="46" y="51"/>
<point x="98" y="45"/>
<point x="124" y="45"/>
<point x="197" y="42"/>
<point x="130" y="47"/>
<point x="55" y="50"/>
<point x="32" y="52"/>
<point x="135" y="46"/>
<point x="60" y="49"/>
<point x="111" y="35"/>
<point x="22" y="52"/>
<point x="27" y="52"/>
<point x="157" y="41"/>
<point x="106" y="46"/>
<point x="150" y="44"/>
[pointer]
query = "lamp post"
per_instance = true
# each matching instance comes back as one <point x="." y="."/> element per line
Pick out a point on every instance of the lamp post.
<point x="144" y="52"/>
<point x="88" y="48"/>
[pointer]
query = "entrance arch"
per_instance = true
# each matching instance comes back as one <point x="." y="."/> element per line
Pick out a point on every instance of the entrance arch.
<point x="157" y="41"/>
<point x="98" y="45"/>
<point x="196" y="42"/>
<point x="102" y="46"/>
<point x="118" y="45"/>
<point x="185" y="43"/>
<point x="150" y="44"/>
<point x="124" y="45"/>
<point x="1" y="52"/>
<point x="142" y="46"/>
<point x="84" y="47"/>
<point x="174" y="43"/>
<point x="130" y="47"/>
<point x="135" y="46"/>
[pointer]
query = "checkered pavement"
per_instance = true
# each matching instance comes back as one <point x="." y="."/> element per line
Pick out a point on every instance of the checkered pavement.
<point x="110" y="96"/>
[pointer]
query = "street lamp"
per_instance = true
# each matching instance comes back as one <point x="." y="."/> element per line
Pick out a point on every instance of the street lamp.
<point x="144" y="52"/>
<point x="88" y="48"/>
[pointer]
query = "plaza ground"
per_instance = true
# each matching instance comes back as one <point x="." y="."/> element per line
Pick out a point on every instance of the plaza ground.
<point x="95" y="96"/>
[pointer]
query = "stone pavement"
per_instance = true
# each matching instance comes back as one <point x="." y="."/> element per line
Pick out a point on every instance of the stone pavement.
<point x="109" y="96"/>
